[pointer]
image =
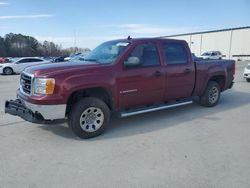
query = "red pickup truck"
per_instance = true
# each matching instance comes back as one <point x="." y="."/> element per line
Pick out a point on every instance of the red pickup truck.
<point x="127" y="77"/>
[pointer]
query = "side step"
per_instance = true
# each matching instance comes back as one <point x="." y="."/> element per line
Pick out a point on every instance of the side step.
<point x="152" y="109"/>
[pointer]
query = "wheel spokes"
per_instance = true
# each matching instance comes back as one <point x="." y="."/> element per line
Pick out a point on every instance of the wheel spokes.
<point x="91" y="119"/>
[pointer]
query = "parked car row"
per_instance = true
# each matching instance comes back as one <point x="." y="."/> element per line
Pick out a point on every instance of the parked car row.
<point x="20" y="64"/>
<point x="76" y="56"/>
<point x="10" y="66"/>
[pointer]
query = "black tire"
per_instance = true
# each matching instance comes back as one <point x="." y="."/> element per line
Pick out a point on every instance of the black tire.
<point x="211" y="96"/>
<point x="248" y="79"/>
<point x="8" y="71"/>
<point x="83" y="117"/>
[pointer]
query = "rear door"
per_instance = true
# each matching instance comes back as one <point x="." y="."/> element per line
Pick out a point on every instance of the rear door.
<point x="179" y="69"/>
<point x="143" y="84"/>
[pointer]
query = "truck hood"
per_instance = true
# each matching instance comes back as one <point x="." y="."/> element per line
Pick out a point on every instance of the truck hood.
<point x="54" y="68"/>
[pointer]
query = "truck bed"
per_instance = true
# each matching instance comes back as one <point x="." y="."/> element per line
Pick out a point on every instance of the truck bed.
<point x="206" y="69"/>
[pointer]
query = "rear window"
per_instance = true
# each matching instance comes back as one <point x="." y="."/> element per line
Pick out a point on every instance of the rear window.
<point x="175" y="53"/>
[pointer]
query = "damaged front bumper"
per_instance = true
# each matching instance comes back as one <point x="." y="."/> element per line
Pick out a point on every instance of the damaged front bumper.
<point x="18" y="108"/>
<point x="35" y="113"/>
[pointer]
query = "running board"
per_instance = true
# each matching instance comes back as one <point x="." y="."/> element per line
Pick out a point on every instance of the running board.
<point x="145" y="110"/>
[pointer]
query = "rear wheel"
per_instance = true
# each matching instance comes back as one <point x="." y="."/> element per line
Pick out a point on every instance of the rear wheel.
<point x="8" y="71"/>
<point x="248" y="79"/>
<point x="211" y="95"/>
<point x="89" y="117"/>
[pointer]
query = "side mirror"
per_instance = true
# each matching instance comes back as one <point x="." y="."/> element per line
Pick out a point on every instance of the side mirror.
<point x="132" y="62"/>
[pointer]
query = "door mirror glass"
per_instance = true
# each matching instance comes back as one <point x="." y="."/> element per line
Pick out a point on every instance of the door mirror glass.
<point x="132" y="62"/>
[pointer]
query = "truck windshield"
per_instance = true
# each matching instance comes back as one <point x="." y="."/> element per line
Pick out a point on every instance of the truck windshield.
<point x="107" y="53"/>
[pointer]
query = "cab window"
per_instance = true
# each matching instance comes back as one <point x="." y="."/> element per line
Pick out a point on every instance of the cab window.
<point x="23" y="61"/>
<point x="175" y="53"/>
<point x="35" y="60"/>
<point x="147" y="55"/>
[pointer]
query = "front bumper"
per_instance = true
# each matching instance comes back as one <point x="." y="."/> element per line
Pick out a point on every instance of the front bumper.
<point x="17" y="108"/>
<point x="34" y="113"/>
<point x="246" y="75"/>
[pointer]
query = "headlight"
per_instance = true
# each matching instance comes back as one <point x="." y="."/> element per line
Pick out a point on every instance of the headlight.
<point x="44" y="86"/>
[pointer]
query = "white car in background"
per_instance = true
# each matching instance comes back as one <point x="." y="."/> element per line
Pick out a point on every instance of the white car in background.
<point x="20" y="64"/>
<point x="212" y="55"/>
<point x="75" y="56"/>
<point x="246" y="73"/>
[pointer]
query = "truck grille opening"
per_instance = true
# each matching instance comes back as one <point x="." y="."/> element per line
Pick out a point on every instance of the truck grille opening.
<point x="25" y="83"/>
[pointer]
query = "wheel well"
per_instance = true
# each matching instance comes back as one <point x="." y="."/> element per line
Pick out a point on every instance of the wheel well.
<point x="220" y="80"/>
<point x="99" y="92"/>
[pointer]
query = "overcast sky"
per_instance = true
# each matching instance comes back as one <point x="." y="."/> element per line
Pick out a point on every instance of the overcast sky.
<point x="87" y="23"/>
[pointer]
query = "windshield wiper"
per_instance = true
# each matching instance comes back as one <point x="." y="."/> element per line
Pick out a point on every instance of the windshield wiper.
<point x="90" y="60"/>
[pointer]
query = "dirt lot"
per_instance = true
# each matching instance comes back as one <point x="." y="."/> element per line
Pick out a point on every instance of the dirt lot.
<point x="189" y="146"/>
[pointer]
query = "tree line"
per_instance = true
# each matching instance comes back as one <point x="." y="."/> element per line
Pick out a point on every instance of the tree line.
<point x="18" y="45"/>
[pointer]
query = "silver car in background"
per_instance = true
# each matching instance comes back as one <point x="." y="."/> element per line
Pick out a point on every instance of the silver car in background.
<point x="212" y="55"/>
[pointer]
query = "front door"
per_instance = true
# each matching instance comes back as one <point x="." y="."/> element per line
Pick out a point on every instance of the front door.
<point x="142" y="84"/>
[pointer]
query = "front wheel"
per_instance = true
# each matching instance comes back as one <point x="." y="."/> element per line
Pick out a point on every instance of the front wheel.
<point x="89" y="117"/>
<point x="211" y="95"/>
<point x="7" y="71"/>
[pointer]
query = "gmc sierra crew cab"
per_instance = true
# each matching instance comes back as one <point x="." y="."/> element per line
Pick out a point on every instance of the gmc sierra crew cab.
<point x="125" y="77"/>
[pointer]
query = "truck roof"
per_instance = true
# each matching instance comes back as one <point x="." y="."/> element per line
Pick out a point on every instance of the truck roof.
<point x="148" y="40"/>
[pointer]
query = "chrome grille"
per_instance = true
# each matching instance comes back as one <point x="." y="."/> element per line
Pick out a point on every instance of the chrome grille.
<point x="25" y="83"/>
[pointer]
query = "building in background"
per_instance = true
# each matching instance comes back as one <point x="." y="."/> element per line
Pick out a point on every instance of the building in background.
<point x="233" y="43"/>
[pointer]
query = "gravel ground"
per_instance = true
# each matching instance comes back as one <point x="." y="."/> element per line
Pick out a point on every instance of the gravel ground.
<point x="188" y="146"/>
